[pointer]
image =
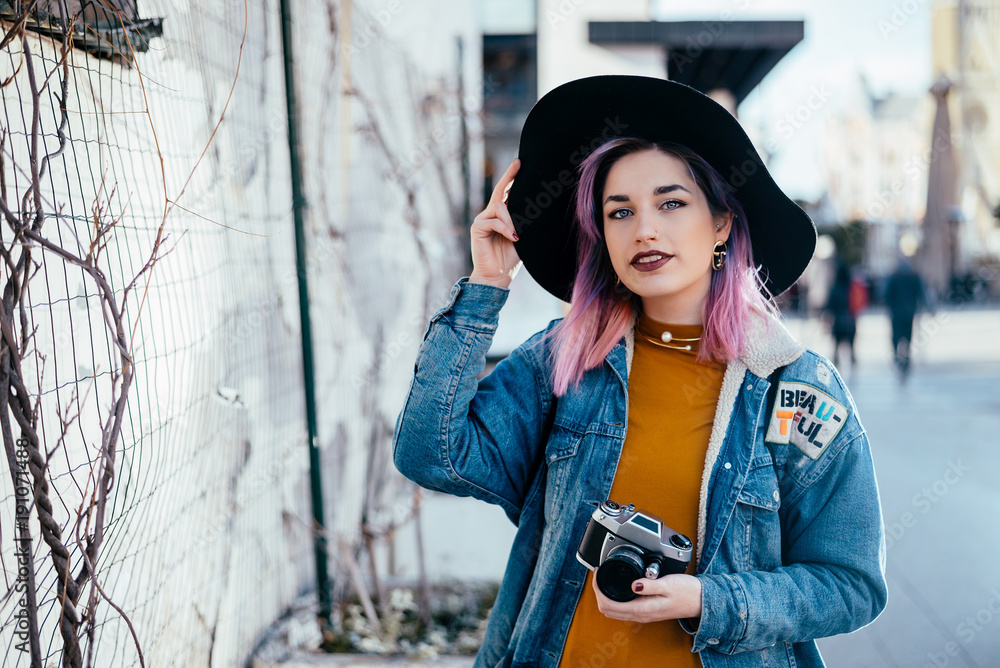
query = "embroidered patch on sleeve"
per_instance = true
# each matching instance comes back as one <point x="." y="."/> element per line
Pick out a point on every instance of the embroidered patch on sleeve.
<point x="806" y="417"/>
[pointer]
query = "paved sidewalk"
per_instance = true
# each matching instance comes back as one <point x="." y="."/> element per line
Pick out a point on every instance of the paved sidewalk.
<point x="936" y="444"/>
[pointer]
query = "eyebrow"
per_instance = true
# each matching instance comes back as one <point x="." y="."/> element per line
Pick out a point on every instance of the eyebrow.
<point x="659" y="190"/>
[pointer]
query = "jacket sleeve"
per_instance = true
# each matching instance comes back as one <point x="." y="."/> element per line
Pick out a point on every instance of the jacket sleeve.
<point x="832" y="577"/>
<point x="470" y="437"/>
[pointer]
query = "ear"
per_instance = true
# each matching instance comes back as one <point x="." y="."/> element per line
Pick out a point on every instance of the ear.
<point x="723" y="224"/>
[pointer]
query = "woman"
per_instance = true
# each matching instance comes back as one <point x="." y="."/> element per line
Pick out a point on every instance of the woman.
<point x="670" y="384"/>
<point x="843" y="318"/>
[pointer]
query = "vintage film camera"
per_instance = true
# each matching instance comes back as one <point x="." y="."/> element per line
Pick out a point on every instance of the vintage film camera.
<point x="624" y="544"/>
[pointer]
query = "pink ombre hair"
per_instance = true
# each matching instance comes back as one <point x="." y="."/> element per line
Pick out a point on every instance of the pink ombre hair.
<point x="600" y="313"/>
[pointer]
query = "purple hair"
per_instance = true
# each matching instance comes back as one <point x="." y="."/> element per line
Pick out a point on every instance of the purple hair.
<point x="601" y="313"/>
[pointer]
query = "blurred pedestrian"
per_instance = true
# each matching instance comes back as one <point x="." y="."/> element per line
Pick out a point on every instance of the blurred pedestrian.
<point x="842" y="313"/>
<point x="904" y="295"/>
<point x="670" y="384"/>
<point x="858" y="297"/>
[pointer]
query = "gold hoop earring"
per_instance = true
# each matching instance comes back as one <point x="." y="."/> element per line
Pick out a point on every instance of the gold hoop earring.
<point x="719" y="255"/>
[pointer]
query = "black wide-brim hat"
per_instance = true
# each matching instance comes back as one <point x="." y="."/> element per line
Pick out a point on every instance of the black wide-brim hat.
<point x="570" y="121"/>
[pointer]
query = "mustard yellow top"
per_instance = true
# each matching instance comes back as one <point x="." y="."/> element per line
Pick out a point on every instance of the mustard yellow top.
<point x="671" y="407"/>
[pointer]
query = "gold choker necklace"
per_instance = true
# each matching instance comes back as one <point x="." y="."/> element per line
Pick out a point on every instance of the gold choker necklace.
<point x="666" y="338"/>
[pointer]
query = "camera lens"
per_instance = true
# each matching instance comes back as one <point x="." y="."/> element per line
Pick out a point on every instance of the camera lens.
<point x="615" y="576"/>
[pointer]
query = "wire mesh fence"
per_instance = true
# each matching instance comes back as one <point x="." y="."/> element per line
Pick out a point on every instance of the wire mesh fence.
<point x="159" y="160"/>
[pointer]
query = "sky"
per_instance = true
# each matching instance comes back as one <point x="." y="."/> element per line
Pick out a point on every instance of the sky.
<point x="887" y="43"/>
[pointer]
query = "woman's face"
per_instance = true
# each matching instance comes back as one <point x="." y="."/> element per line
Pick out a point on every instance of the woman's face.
<point x="654" y="210"/>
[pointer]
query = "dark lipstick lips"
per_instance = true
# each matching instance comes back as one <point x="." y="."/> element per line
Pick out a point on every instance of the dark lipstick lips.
<point x="650" y="266"/>
<point x="643" y="254"/>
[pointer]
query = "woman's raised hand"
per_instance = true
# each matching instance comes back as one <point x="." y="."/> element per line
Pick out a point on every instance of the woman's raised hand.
<point x="494" y="260"/>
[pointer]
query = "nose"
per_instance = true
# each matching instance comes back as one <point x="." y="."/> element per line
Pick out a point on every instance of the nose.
<point x="645" y="227"/>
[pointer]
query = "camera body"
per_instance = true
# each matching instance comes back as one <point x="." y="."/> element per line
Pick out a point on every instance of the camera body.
<point x="623" y="544"/>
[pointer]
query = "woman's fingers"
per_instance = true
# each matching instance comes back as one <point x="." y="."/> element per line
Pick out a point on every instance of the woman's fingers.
<point x="503" y="214"/>
<point x="500" y="190"/>
<point x="673" y="596"/>
<point x="487" y="226"/>
<point x="494" y="259"/>
<point x="496" y="217"/>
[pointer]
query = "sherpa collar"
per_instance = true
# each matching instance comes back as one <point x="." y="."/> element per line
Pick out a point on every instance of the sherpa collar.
<point x="769" y="346"/>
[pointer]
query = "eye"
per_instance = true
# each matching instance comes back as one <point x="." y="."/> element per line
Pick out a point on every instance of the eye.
<point x="669" y="205"/>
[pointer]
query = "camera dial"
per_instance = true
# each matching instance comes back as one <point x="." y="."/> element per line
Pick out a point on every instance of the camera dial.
<point x="611" y="508"/>
<point x="680" y="541"/>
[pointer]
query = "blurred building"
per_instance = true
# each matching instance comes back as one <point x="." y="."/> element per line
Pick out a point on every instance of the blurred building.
<point x="876" y="164"/>
<point x="966" y="49"/>
<point x="532" y="46"/>
<point x="912" y="168"/>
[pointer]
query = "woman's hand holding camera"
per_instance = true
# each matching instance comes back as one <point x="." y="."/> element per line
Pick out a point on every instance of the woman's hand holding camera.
<point x="674" y="596"/>
<point x="494" y="259"/>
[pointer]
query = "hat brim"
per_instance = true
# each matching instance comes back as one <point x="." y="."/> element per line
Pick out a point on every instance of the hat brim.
<point x="568" y="122"/>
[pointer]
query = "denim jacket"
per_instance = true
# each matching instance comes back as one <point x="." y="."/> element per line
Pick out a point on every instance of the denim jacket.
<point x="790" y="537"/>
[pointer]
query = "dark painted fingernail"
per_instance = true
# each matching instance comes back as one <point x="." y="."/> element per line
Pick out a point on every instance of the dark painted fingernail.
<point x="638" y="586"/>
<point x="516" y="238"/>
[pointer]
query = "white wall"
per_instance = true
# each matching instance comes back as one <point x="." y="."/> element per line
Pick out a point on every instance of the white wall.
<point x="209" y="537"/>
<point x="565" y="52"/>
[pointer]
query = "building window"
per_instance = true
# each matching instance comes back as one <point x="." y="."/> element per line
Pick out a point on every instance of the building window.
<point x="510" y="73"/>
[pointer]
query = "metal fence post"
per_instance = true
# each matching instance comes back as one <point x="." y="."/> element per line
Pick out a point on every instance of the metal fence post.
<point x="298" y="208"/>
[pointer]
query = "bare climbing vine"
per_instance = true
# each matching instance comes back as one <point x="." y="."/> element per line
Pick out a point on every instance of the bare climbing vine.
<point x="73" y="543"/>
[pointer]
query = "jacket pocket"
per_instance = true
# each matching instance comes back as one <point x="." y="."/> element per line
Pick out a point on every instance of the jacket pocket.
<point x="560" y="454"/>
<point x="758" y="545"/>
